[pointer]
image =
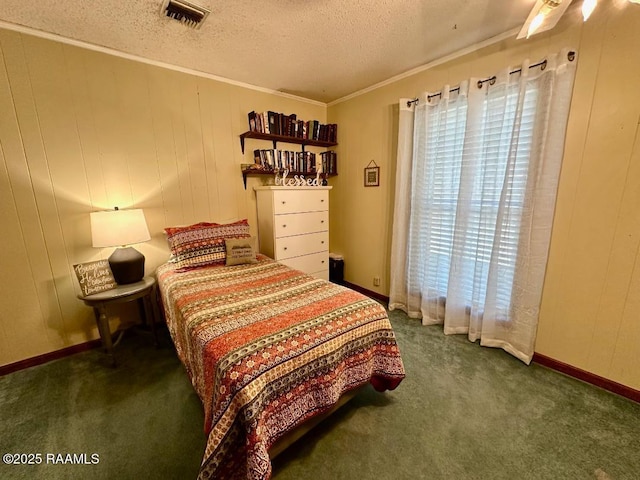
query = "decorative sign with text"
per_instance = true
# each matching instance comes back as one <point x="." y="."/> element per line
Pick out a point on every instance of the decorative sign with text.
<point x="297" y="180"/>
<point x="94" y="277"/>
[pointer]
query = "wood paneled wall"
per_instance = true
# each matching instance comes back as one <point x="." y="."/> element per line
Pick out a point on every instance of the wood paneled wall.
<point x="82" y="131"/>
<point x="590" y="312"/>
<point x="590" y="315"/>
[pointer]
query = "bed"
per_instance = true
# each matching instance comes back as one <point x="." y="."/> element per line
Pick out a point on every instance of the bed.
<point x="267" y="348"/>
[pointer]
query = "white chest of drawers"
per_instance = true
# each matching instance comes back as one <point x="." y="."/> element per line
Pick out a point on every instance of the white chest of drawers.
<point x="293" y="227"/>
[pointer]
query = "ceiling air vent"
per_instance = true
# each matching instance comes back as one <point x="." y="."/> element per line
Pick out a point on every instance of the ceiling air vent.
<point x="188" y="13"/>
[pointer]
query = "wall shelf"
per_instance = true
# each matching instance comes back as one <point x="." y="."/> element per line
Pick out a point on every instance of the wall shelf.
<point x="284" y="139"/>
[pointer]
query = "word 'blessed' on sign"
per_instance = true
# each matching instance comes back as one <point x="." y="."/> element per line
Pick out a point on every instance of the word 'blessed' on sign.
<point x="298" y="180"/>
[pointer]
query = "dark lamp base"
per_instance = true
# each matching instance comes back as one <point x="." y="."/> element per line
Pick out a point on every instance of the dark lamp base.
<point x="127" y="265"/>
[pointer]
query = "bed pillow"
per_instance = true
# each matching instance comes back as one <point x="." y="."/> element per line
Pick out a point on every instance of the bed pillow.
<point x="203" y="244"/>
<point x="172" y="256"/>
<point x="241" y="250"/>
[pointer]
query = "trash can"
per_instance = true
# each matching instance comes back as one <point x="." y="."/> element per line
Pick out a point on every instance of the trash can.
<point x="336" y="268"/>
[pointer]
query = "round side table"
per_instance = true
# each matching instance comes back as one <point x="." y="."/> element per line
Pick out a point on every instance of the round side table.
<point x="143" y="291"/>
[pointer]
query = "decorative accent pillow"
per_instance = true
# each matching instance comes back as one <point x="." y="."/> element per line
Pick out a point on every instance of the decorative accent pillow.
<point x="241" y="250"/>
<point x="202" y="244"/>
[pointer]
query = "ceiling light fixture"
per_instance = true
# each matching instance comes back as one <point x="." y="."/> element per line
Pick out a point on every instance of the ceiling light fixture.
<point x="545" y="14"/>
<point x="544" y="10"/>
<point x="587" y="8"/>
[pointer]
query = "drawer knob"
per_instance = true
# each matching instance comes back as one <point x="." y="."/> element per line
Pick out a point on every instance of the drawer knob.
<point x="285" y="248"/>
<point x="284" y="226"/>
<point x="322" y="242"/>
<point x="322" y="201"/>
<point x="322" y="261"/>
<point x="283" y="202"/>
<point x="321" y="221"/>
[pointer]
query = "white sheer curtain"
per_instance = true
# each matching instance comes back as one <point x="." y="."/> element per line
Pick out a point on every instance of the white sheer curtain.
<point x="476" y="182"/>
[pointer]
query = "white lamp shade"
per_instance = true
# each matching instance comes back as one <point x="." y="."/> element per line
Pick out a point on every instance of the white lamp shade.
<point x="118" y="228"/>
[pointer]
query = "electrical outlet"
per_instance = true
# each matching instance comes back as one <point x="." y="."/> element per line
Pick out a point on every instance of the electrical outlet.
<point x="376" y="281"/>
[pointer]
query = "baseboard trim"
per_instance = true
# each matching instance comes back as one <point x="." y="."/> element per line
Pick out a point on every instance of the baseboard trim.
<point x="588" y="377"/>
<point x="538" y="358"/>
<point x="48" y="357"/>
<point x="368" y="293"/>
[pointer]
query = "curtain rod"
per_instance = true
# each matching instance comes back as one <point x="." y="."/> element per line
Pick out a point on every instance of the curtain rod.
<point x="543" y="64"/>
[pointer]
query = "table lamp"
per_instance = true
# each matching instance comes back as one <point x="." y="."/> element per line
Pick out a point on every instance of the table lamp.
<point x="121" y="228"/>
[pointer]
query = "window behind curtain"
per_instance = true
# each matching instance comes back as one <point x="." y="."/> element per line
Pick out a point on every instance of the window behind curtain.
<point x="440" y="176"/>
<point x="475" y="199"/>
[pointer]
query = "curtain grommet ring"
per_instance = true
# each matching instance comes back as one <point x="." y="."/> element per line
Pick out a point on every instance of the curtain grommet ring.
<point x="571" y="56"/>
<point x="412" y="102"/>
<point x="491" y="81"/>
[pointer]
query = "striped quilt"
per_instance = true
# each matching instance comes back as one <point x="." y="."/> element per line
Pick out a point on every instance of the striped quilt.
<point x="268" y="347"/>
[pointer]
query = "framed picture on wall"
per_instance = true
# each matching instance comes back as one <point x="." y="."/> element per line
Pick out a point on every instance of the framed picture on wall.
<point x="372" y="175"/>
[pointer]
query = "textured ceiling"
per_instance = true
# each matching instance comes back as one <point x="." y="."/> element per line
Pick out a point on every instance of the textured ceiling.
<point x="321" y="50"/>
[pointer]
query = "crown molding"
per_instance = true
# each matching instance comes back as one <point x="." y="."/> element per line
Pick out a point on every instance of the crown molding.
<point x="117" y="53"/>
<point x="447" y="58"/>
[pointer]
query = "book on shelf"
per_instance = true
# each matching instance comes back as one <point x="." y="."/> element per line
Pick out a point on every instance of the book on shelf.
<point x="291" y="122"/>
<point x="253" y="118"/>
<point x="328" y="133"/>
<point x="329" y="162"/>
<point x="295" y="162"/>
<point x="275" y="123"/>
<point x="311" y="130"/>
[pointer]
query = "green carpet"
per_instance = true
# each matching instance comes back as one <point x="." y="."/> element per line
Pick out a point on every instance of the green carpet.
<point x="463" y="412"/>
